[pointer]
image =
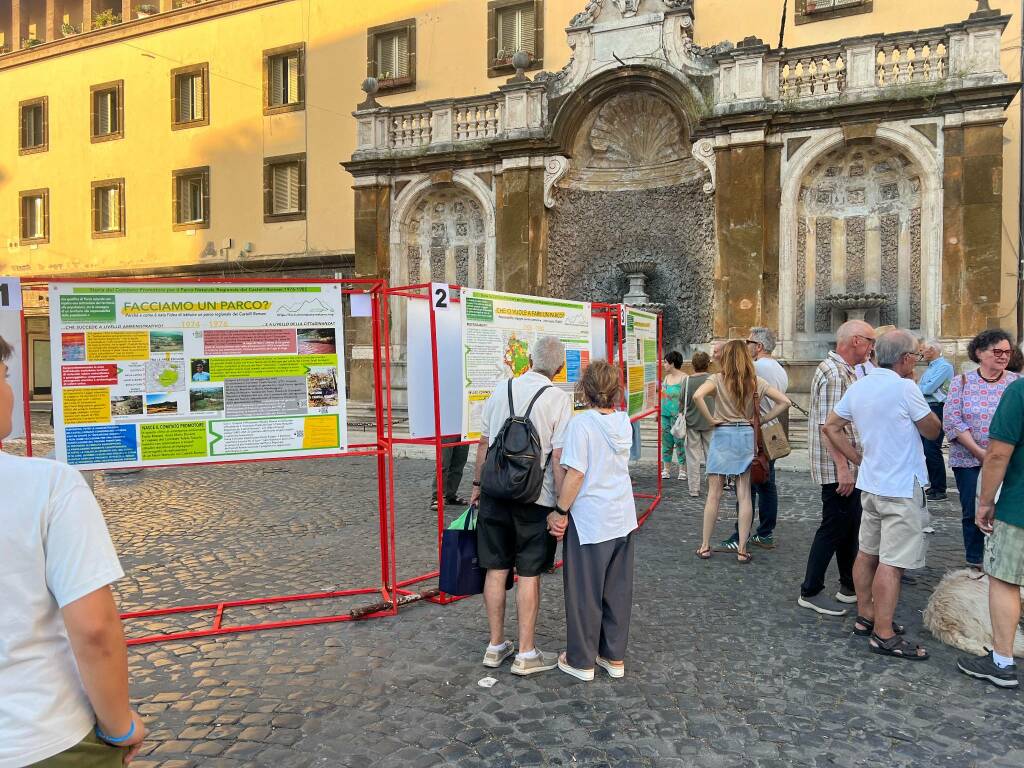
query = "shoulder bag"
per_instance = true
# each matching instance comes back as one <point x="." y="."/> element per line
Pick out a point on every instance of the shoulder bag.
<point x="679" y="425"/>
<point x="759" y="469"/>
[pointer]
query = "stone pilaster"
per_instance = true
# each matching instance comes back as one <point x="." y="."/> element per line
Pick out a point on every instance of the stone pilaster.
<point x="972" y="226"/>
<point x="747" y="222"/>
<point x="16" y="25"/>
<point x="372" y="224"/>
<point x="520" y="226"/>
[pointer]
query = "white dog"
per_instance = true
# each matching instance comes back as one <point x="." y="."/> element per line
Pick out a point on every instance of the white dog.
<point x="957" y="613"/>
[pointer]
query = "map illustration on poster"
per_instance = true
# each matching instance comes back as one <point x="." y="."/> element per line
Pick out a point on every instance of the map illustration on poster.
<point x="497" y="332"/>
<point x="640" y="349"/>
<point x="161" y="373"/>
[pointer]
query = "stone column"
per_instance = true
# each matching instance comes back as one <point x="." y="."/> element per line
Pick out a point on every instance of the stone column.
<point x="86" y="15"/>
<point x="16" y="25"/>
<point x="52" y="25"/>
<point x="747" y="220"/>
<point x="372" y="224"/>
<point x="520" y="226"/>
<point x="126" y="10"/>
<point x="972" y="226"/>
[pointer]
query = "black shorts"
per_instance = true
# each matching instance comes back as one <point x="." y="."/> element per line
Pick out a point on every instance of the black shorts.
<point x="512" y="534"/>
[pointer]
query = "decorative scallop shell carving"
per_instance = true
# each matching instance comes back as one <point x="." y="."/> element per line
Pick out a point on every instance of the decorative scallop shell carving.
<point x="634" y="130"/>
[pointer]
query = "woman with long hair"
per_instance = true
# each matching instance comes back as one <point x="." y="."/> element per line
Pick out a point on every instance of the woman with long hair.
<point x="671" y="389"/>
<point x="738" y="390"/>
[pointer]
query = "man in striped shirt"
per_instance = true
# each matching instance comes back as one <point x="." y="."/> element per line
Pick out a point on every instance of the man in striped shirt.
<point x="840" y="500"/>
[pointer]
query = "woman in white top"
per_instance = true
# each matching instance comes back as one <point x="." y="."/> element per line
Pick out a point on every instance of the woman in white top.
<point x="63" y="662"/>
<point x="598" y="543"/>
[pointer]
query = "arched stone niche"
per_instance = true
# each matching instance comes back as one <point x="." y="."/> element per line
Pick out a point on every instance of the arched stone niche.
<point x="633" y="190"/>
<point x="859" y="231"/>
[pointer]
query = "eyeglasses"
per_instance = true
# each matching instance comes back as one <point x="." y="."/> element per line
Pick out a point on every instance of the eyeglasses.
<point x="1001" y="352"/>
<point x="918" y="355"/>
<point x="868" y="339"/>
<point x="755" y="343"/>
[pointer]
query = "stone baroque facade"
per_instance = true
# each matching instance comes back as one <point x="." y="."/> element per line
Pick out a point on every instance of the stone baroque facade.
<point x="761" y="180"/>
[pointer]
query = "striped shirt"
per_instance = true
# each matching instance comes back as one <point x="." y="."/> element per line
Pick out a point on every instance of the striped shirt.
<point x="831" y="380"/>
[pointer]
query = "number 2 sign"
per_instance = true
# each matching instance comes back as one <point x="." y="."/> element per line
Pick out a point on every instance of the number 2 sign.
<point x="440" y="297"/>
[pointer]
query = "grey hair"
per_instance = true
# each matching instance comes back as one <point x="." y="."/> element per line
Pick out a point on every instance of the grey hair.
<point x="764" y="336"/>
<point x="892" y="346"/>
<point x="548" y="355"/>
<point x="931" y="344"/>
<point x="848" y="330"/>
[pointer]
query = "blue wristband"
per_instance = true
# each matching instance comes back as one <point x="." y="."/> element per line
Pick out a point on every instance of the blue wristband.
<point x="115" y="740"/>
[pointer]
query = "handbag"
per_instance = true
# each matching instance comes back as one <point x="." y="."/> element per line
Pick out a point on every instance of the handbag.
<point x="759" y="469"/>
<point x="460" y="572"/>
<point x="679" y="425"/>
<point x="776" y="444"/>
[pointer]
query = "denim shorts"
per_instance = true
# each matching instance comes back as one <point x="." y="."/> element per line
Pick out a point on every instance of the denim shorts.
<point x="731" y="450"/>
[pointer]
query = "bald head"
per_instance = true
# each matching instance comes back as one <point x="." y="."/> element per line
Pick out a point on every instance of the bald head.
<point x="716" y="350"/>
<point x="854" y="341"/>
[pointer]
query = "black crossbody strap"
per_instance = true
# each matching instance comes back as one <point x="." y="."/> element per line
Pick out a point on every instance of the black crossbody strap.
<point x="534" y="400"/>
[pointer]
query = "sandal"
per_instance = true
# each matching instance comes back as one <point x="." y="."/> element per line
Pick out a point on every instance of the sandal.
<point x="704" y="553"/>
<point x="897" y="646"/>
<point x="869" y="627"/>
<point x="744" y="558"/>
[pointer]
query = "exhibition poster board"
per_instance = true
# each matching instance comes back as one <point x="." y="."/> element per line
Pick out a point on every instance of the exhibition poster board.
<point x="420" y="368"/>
<point x="152" y="373"/>
<point x="12" y="332"/>
<point x="497" y="332"/>
<point x="640" y="351"/>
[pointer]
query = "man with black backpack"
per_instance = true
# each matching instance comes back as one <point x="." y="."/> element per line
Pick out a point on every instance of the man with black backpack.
<point x="518" y="472"/>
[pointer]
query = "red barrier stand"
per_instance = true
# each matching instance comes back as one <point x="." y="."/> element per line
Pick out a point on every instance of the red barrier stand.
<point x="380" y="448"/>
<point x="612" y="317"/>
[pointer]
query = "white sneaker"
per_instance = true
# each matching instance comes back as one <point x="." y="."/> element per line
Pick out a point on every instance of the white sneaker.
<point x="612" y="669"/>
<point x="586" y="675"/>
<point x="682" y="474"/>
<point x="542" y="662"/>
<point x="494" y="659"/>
<point x="665" y="474"/>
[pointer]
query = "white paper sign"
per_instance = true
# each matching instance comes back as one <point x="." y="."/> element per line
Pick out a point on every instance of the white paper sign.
<point x="10" y="293"/>
<point x="10" y="331"/>
<point x="419" y="367"/>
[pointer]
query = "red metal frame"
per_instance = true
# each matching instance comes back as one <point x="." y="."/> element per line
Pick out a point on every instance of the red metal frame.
<point x="611" y="314"/>
<point x="381" y="449"/>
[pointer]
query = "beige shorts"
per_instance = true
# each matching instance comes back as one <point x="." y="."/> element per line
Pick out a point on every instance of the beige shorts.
<point x="1004" y="553"/>
<point x="892" y="528"/>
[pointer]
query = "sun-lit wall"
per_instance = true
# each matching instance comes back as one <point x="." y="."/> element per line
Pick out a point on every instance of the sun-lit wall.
<point x="451" y="61"/>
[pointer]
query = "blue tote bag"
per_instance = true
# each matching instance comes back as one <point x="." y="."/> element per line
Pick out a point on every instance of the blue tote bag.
<point x="461" y="573"/>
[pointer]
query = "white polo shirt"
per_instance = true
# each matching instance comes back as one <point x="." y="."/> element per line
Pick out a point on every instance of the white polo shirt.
<point x="54" y="549"/>
<point x="884" y="408"/>
<point x="550" y="416"/>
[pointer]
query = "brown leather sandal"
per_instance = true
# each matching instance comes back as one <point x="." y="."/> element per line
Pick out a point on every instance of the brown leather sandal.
<point x="704" y="553"/>
<point x="744" y="558"/>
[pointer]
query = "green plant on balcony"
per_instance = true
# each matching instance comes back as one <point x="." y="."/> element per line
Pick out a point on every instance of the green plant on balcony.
<point x="31" y="42"/>
<point x="105" y="19"/>
<point x="67" y="30"/>
<point x="144" y="10"/>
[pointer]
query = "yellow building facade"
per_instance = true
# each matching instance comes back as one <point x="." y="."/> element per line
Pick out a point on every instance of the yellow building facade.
<point x="74" y="203"/>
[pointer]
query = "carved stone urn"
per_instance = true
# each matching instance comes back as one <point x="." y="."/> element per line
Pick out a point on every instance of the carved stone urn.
<point x="855" y="306"/>
<point x="637" y="271"/>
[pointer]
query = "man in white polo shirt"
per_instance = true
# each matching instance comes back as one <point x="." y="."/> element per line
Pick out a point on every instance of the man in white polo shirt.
<point x="890" y="416"/>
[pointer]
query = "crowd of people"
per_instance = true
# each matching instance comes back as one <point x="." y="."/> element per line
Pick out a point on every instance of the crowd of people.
<point x="876" y="428"/>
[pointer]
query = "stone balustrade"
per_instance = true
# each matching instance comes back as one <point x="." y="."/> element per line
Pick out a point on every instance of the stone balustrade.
<point x="873" y="67"/>
<point x="516" y="111"/>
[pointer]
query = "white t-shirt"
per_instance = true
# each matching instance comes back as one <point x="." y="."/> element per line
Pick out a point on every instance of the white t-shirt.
<point x="768" y="368"/>
<point x="884" y="408"/>
<point x="55" y="549"/>
<point x="550" y="415"/>
<point x="598" y="445"/>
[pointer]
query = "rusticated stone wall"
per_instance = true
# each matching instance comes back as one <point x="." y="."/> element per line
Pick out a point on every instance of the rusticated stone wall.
<point x="591" y="232"/>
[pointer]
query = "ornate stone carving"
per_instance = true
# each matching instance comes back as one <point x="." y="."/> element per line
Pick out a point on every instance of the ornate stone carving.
<point x="587" y="16"/>
<point x="636" y="129"/>
<point x="555" y="168"/>
<point x="704" y="152"/>
<point x="627" y="8"/>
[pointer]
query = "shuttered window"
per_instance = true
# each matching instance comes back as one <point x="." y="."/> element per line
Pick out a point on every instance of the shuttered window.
<point x="34" y="215"/>
<point x="192" y="198"/>
<point x="190" y="94"/>
<point x="284" y="180"/>
<point x="33" y="129"/>
<point x="517" y="28"/>
<point x="284" y="79"/>
<point x="108" y="207"/>
<point x="393" y="56"/>
<point x="107" y="109"/>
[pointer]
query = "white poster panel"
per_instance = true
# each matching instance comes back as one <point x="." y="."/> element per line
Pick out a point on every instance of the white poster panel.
<point x="640" y="350"/>
<point x="598" y="339"/>
<point x="498" y="330"/>
<point x="419" y="370"/>
<point x="149" y="374"/>
<point x="11" y="332"/>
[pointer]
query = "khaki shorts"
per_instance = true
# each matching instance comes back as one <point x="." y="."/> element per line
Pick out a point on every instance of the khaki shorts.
<point x="892" y="528"/>
<point x="90" y="752"/>
<point x="1004" y="553"/>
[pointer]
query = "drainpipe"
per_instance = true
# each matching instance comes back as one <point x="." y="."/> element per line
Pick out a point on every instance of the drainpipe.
<point x="1020" y="198"/>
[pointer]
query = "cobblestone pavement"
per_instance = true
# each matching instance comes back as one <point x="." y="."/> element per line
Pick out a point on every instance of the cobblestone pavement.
<point x="723" y="668"/>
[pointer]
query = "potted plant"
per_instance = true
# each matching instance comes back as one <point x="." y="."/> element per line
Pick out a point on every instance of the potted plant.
<point x="145" y="10"/>
<point x="105" y="18"/>
<point x="31" y="42"/>
<point x="67" y="30"/>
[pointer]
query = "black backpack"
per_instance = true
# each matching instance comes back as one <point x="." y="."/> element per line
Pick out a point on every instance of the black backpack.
<point x="514" y="468"/>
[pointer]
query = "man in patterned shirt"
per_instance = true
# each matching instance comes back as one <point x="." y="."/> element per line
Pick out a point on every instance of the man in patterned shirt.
<point x="840" y="500"/>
